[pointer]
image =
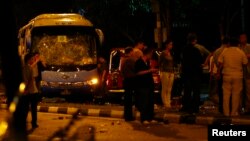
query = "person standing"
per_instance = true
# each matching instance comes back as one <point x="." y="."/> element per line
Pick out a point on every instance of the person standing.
<point x="102" y="69"/>
<point x="166" y="65"/>
<point x="191" y="74"/>
<point x="246" y="84"/>
<point x="31" y="89"/>
<point x="213" y="80"/>
<point x="128" y="73"/>
<point x="102" y="72"/>
<point x="216" y="54"/>
<point x="145" y="87"/>
<point x="231" y="62"/>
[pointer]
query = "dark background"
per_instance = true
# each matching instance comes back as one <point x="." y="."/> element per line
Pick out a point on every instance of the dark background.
<point x="124" y="21"/>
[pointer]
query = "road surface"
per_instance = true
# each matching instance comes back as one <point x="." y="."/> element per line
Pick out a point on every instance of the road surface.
<point x="109" y="129"/>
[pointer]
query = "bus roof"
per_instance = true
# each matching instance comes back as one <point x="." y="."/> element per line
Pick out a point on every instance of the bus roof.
<point x="58" y="19"/>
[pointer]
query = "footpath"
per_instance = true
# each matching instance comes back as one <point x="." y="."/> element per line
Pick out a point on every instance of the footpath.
<point x="208" y="113"/>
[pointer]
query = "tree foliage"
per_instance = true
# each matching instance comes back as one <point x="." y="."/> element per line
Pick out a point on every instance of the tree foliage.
<point x="122" y="20"/>
<point x="125" y="20"/>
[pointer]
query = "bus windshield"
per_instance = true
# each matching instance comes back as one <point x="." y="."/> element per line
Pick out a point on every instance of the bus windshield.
<point x="65" y="46"/>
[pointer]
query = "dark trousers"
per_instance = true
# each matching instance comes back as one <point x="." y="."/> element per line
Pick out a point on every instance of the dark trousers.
<point x="220" y="92"/>
<point x="21" y="112"/>
<point x="213" y="89"/>
<point x="128" y="100"/>
<point x="32" y="104"/>
<point x="27" y="102"/>
<point x="146" y="103"/>
<point x="191" y="97"/>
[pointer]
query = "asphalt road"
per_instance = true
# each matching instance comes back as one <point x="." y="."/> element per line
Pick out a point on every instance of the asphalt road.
<point x="109" y="129"/>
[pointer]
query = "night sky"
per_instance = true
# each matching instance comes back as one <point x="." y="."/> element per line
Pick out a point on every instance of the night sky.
<point x="121" y="27"/>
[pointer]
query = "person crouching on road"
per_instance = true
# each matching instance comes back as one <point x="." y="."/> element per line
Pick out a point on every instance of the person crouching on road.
<point x="31" y="91"/>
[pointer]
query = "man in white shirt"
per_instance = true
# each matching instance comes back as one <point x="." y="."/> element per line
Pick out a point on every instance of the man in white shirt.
<point x="231" y="62"/>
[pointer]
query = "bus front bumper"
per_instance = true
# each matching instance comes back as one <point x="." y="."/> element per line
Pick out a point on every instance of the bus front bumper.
<point x="69" y="88"/>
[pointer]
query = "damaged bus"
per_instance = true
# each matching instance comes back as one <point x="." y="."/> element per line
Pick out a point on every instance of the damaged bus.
<point x="69" y="44"/>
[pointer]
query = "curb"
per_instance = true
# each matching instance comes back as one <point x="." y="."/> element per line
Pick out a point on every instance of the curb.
<point x="164" y="117"/>
<point x="204" y="120"/>
<point x="82" y="111"/>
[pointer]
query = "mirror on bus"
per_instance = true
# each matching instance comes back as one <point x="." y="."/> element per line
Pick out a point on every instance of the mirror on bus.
<point x="28" y="39"/>
<point x="101" y="35"/>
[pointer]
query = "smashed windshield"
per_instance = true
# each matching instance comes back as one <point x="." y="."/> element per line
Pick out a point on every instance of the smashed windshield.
<point x="65" y="46"/>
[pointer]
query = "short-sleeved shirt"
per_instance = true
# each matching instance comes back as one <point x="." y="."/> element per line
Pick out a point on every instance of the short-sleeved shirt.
<point x="166" y="62"/>
<point x="233" y="60"/>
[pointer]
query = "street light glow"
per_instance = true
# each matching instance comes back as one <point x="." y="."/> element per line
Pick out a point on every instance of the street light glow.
<point x="3" y="127"/>
<point x="12" y="107"/>
<point x="22" y="88"/>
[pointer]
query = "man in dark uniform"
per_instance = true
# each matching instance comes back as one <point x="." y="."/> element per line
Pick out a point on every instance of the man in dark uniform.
<point x="128" y="72"/>
<point x="191" y="73"/>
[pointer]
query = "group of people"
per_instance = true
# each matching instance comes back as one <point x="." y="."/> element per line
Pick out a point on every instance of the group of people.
<point x="189" y="69"/>
<point x="229" y="84"/>
<point x="230" y="76"/>
<point x="229" y="69"/>
<point x="138" y="77"/>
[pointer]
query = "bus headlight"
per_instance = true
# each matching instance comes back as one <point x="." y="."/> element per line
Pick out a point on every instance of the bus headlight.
<point x="44" y="83"/>
<point x="93" y="81"/>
